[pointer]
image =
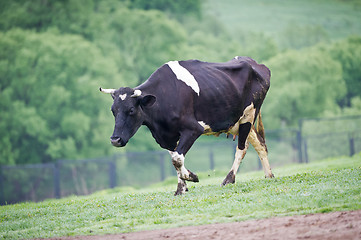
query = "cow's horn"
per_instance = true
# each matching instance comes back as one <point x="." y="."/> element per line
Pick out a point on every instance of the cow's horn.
<point x="136" y="93"/>
<point x="110" y="90"/>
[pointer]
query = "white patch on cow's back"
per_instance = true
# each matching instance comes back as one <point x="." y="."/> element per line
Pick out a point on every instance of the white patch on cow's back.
<point x="184" y="75"/>
<point x="123" y="96"/>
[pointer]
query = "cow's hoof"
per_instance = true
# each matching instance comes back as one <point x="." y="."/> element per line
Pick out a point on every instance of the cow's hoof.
<point x="181" y="189"/>
<point x="270" y="176"/>
<point x="231" y="178"/>
<point x="192" y="177"/>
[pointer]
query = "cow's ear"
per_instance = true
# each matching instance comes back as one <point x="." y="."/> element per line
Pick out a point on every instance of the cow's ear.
<point x="147" y="101"/>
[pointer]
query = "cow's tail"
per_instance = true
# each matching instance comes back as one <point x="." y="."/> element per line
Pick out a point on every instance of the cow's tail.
<point x="260" y="127"/>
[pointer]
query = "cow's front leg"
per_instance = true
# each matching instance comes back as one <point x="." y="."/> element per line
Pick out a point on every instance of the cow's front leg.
<point x="182" y="173"/>
<point x="185" y="143"/>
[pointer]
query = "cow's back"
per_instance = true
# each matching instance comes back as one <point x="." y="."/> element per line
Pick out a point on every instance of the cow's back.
<point x="226" y="89"/>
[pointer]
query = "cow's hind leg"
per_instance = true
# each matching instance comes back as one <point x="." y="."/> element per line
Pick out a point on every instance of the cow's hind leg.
<point x="258" y="142"/>
<point x="241" y="150"/>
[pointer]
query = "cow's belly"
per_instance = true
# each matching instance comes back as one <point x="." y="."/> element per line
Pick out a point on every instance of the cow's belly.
<point x="247" y="116"/>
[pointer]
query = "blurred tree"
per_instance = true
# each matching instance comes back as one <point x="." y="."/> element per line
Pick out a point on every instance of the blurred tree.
<point x="348" y="53"/>
<point x="71" y="16"/>
<point x="50" y="104"/>
<point x="257" y="45"/>
<point x="176" y="7"/>
<point x="146" y="40"/>
<point x="303" y="84"/>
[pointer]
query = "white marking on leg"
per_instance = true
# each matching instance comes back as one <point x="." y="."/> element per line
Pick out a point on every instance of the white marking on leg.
<point x="261" y="151"/>
<point x="123" y="96"/>
<point x="178" y="162"/>
<point x="238" y="157"/>
<point x="184" y="75"/>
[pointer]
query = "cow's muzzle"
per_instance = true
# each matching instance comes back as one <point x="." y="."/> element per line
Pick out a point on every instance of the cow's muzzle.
<point x="117" y="142"/>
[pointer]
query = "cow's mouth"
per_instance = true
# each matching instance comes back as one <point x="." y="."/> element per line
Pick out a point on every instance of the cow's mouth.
<point x="117" y="142"/>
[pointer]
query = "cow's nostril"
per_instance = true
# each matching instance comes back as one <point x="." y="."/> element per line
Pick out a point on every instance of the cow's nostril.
<point x="115" y="141"/>
<point x="118" y="142"/>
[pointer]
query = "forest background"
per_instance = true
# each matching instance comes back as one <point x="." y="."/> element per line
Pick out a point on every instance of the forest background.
<point x="54" y="56"/>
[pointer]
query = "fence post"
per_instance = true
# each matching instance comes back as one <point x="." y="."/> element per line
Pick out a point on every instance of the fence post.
<point x="351" y="140"/>
<point x="56" y="179"/>
<point x="211" y="159"/>
<point x="112" y="174"/>
<point x="259" y="164"/>
<point x="2" y="197"/>
<point x="161" y="166"/>
<point x="306" y="153"/>
<point x="299" y="141"/>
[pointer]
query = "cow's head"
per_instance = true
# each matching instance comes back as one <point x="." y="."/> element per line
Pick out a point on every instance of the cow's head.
<point x="128" y="112"/>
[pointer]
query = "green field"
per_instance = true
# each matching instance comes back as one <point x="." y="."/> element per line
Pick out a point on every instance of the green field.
<point x="338" y="18"/>
<point x="323" y="186"/>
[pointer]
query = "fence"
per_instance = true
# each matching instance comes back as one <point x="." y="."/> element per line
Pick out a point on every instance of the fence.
<point x="315" y="139"/>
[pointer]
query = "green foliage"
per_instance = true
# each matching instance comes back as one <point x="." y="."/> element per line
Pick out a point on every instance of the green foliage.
<point x="49" y="80"/>
<point x="179" y="8"/>
<point x="304" y="83"/>
<point x="68" y="16"/>
<point x="146" y="40"/>
<point x="329" y="185"/>
<point x="50" y="103"/>
<point x="348" y="53"/>
<point x="55" y="54"/>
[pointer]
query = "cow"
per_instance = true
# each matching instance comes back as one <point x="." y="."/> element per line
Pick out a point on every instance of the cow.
<point x="183" y="100"/>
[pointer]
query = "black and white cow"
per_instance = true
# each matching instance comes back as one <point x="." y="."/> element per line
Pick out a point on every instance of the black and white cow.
<point x="182" y="100"/>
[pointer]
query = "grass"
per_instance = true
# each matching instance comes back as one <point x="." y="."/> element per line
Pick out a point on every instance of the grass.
<point x="339" y="18"/>
<point x="324" y="186"/>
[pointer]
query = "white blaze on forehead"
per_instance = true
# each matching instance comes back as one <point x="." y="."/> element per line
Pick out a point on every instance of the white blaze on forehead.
<point x="123" y="96"/>
<point x="184" y="75"/>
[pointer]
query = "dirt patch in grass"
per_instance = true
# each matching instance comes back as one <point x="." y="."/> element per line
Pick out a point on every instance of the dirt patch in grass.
<point x="335" y="225"/>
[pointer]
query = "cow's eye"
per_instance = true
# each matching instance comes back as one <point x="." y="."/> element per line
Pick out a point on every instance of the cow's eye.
<point x="131" y="111"/>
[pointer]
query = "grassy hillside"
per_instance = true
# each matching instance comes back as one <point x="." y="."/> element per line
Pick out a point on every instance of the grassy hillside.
<point x="324" y="186"/>
<point x="338" y="18"/>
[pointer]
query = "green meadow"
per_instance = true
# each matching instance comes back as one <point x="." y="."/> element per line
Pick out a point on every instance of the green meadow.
<point x="323" y="186"/>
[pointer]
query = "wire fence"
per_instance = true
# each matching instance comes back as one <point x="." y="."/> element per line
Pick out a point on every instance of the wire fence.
<point x="315" y="139"/>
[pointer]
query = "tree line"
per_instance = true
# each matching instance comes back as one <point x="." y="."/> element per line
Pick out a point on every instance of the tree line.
<point x="54" y="55"/>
